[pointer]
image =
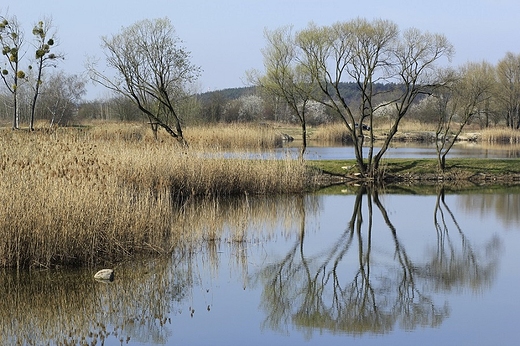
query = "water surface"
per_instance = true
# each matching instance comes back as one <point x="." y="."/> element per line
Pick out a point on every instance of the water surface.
<point x="346" y="267"/>
<point x="409" y="150"/>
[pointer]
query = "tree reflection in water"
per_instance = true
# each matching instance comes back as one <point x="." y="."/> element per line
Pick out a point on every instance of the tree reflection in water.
<point x="355" y="285"/>
<point x="454" y="263"/>
<point x="333" y="292"/>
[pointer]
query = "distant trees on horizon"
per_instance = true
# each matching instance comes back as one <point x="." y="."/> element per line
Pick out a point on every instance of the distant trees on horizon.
<point x="33" y="89"/>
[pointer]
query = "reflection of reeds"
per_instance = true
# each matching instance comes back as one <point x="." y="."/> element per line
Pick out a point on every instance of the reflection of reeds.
<point x="70" y="307"/>
<point x="69" y="197"/>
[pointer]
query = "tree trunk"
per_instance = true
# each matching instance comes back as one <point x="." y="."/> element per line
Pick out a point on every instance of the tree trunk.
<point x="16" y="116"/>
<point x="304" y="139"/>
<point x="36" y="93"/>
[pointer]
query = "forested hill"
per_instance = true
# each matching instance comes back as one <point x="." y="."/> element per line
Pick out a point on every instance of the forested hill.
<point x="348" y="90"/>
<point x="227" y="94"/>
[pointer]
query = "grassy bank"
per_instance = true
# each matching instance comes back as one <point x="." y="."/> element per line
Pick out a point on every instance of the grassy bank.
<point x="422" y="170"/>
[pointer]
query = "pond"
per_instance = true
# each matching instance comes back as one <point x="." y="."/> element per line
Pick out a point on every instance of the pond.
<point x="414" y="150"/>
<point x="398" y="150"/>
<point x="349" y="265"/>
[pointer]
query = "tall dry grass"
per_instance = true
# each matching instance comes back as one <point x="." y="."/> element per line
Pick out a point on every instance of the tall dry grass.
<point x="214" y="136"/>
<point x="500" y="135"/>
<point x="74" y="197"/>
<point x="234" y="136"/>
<point x="332" y="133"/>
<point x="407" y="125"/>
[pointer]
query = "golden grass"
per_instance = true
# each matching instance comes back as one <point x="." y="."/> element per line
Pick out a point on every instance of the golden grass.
<point x="83" y="197"/>
<point x="234" y="136"/>
<point x="408" y="125"/>
<point x="338" y="133"/>
<point x="208" y="137"/>
<point x="502" y="135"/>
<point x="332" y="133"/>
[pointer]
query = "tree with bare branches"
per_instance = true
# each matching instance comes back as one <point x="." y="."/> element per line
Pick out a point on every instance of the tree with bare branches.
<point x="465" y="95"/>
<point x="151" y="68"/>
<point x="12" y="40"/>
<point x="508" y="88"/>
<point x="365" y="53"/>
<point x="284" y="78"/>
<point x="45" y="38"/>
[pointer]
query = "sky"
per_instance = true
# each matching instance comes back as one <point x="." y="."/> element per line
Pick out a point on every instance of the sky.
<point x="225" y="38"/>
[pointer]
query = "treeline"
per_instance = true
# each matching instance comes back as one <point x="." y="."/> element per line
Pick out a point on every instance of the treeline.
<point x="35" y="88"/>
<point x="60" y="103"/>
<point x="244" y="104"/>
<point x="250" y="104"/>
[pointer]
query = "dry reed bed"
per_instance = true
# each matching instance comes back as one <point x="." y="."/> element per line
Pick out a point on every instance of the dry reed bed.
<point x="216" y="136"/>
<point x="411" y="129"/>
<point x="70" y="199"/>
<point x="501" y="135"/>
<point x="332" y="133"/>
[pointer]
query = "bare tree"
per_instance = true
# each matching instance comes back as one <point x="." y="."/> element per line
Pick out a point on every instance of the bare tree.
<point x="45" y="40"/>
<point x="60" y="97"/>
<point x="151" y="69"/>
<point x="12" y="40"/>
<point x="284" y="78"/>
<point x="367" y="53"/>
<point x="461" y="99"/>
<point x="508" y="88"/>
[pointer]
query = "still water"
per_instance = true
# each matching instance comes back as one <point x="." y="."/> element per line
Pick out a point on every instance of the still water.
<point x="395" y="151"/>
<point x="347" y="266"/>
<point x="410" y="151"/>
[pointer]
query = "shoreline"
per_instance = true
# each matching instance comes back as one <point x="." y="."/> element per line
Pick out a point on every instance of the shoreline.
<point x="425" y="171"/>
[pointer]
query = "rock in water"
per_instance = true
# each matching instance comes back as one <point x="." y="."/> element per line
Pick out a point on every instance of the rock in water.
<point x="105" y="274"/>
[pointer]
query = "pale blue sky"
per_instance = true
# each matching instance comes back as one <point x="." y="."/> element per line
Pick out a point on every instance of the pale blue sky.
<point x="225" y="37"/>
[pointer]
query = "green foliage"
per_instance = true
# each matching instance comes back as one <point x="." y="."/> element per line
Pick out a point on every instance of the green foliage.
<point x="37" y="31"/>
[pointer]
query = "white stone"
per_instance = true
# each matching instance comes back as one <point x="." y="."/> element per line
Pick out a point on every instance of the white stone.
<point x="105" y="274"/>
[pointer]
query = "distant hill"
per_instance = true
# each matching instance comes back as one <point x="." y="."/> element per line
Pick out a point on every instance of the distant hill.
<point x="227" y="94"/>
<point x="348" y="90"/>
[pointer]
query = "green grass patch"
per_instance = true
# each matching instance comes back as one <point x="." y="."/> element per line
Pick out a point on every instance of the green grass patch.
<point x="469" y="166"/>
